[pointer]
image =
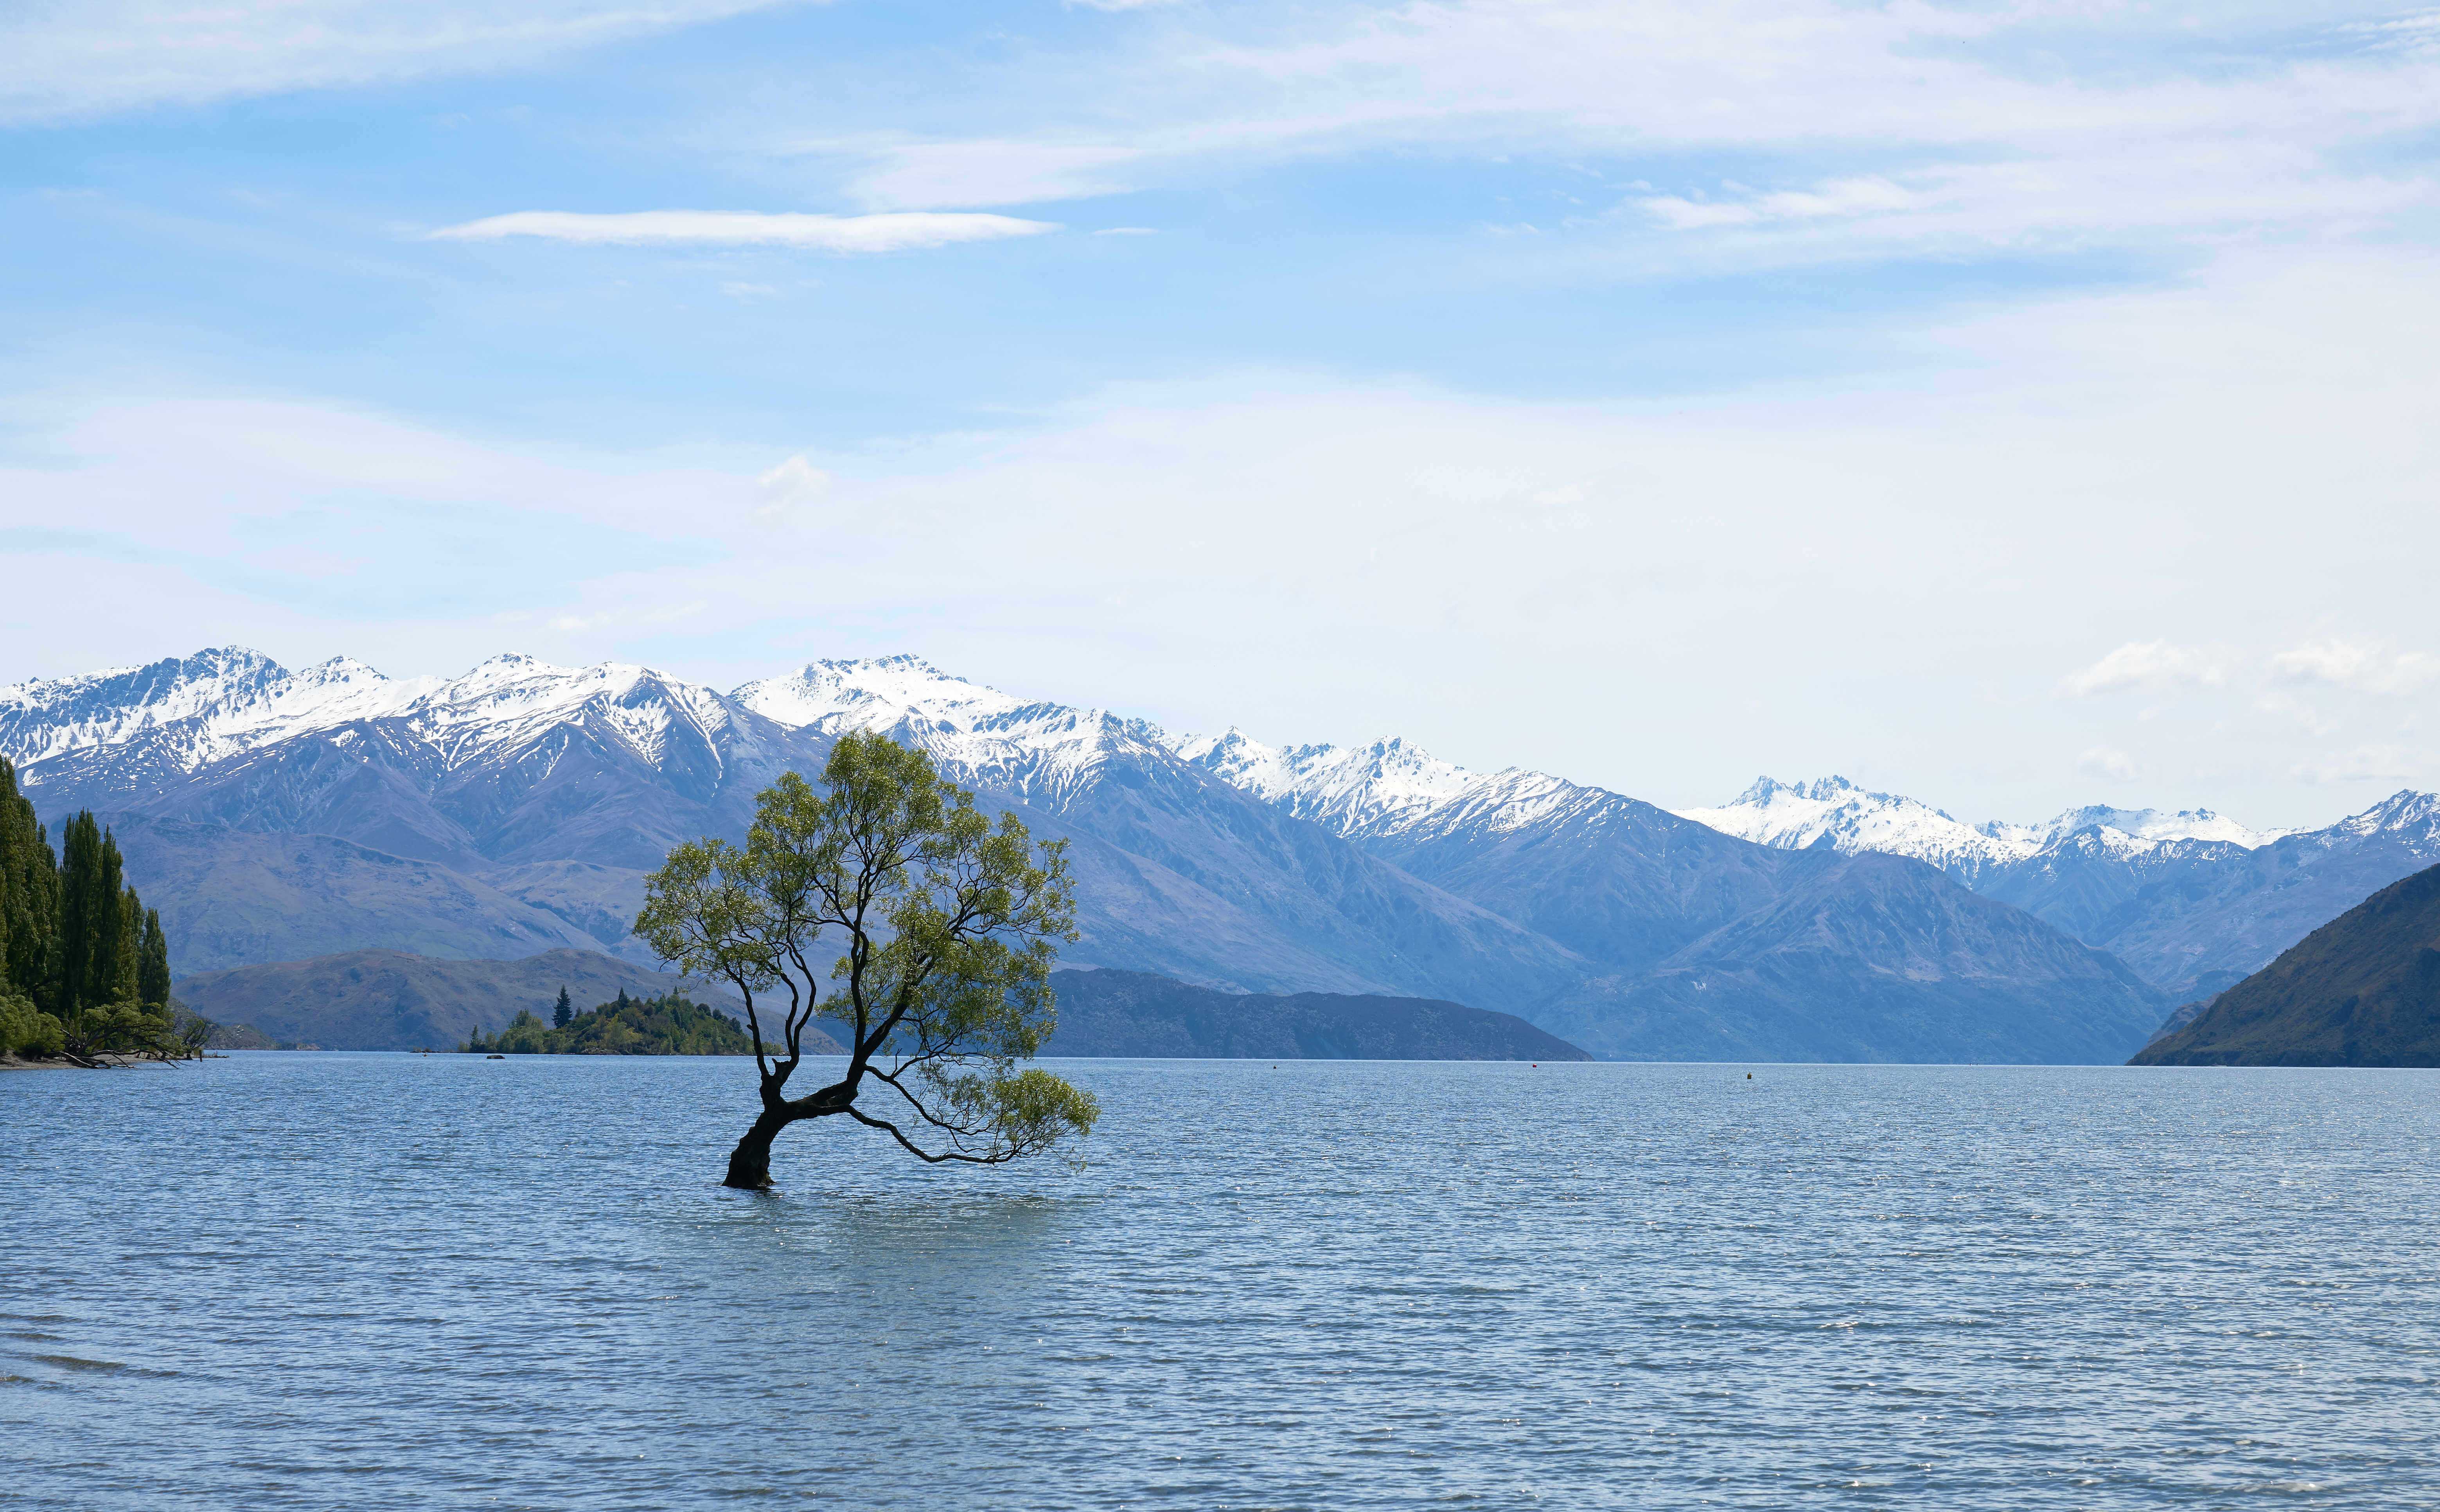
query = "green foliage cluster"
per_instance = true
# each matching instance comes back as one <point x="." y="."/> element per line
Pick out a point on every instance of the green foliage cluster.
<point x="630" y="1026"/>
<point x="85" y="967"/>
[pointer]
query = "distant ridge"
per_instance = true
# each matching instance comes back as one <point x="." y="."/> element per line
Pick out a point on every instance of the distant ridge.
<point x="2361" y="990"/>
<point x="388" y="1000"/>
<point x="1134" y="1013"/>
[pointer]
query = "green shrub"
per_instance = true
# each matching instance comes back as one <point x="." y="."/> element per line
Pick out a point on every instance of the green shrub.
<point x="25" y="1030"/>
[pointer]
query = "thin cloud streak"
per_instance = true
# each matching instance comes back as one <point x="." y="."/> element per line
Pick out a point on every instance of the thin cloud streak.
<point x="899" y="232"/>
<point x="95" y="57"/>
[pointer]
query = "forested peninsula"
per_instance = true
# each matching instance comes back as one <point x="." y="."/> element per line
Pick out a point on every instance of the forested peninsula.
<point x="84" y="969"/>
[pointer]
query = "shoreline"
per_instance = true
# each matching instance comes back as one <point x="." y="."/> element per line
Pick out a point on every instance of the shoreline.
<point x="108" y="1060"/>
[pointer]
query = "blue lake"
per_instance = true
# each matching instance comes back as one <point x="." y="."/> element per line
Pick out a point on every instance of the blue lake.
<point x="388" y="1281"/>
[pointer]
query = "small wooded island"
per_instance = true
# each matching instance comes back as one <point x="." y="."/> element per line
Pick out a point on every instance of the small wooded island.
<point x="668" y="1025"/>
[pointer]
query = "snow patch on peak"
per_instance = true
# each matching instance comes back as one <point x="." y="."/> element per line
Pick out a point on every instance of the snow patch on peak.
<point x="976" y="734"/>
<point x="186" y="711"/>
<point x="2149" y="827"/>
<point x="2405" y="811"/>
<point x="874" y="692"/>
<point x="1834" y="811"/>
<point x="1384" y="787"/>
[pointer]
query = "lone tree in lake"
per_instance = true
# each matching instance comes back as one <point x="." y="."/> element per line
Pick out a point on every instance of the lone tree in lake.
<point x="945" y="926"/>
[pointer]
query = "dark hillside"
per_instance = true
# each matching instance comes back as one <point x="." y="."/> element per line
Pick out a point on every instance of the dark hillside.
<point x="2361" y="990"/>
<point x="1134" y="1013"/>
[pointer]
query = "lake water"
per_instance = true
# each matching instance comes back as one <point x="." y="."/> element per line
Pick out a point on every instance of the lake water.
<point x="385" y="1281"/>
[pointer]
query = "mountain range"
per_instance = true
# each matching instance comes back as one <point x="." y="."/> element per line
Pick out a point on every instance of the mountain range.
<point x="283" y="815"/>
<point x="2192" y="901"/>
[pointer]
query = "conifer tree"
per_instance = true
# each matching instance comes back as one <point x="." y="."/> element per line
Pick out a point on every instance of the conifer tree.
<point x="564" y="1012"/>
<point x="126" y="947"/>
<point x="28" y="896"/>
<point x="152" y="966"/>
<point x="87" y="918"/>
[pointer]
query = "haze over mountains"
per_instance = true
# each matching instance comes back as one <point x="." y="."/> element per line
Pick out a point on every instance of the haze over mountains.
<point x="280" y="815"/>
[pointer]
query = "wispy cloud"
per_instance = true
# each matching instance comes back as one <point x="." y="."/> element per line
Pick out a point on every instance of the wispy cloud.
<point x="2363" y="666"/>
<point x="2147" y="665"/>
<point x="896" y="173"/>
<point x="2106" y="764"/>
<point x="901" y="232"/>
<point x="1943" y="128"/>
<point x="2366" y="763"/>
<point x="95" y="56"/>
<point x="1844" y="197"/>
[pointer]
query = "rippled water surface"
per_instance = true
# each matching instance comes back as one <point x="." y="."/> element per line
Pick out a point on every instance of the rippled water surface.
<point x="388" y="1281"/>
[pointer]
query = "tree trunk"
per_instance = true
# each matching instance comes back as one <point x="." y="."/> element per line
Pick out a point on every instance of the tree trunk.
<point x="749" y="1164"/>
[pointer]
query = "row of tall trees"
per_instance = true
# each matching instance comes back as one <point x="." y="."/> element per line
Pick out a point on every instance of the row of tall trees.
<point x="83" y="963"/>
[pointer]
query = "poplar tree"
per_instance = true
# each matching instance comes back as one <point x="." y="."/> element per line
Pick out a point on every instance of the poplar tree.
<point x="87" y="920"/>
<point x="153" y="963"/>
<point x="29" y="885"/>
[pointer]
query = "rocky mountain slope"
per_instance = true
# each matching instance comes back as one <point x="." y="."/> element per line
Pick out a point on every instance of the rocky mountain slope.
<point x="1870" y="958"/>
<point x="2361" y="990"/>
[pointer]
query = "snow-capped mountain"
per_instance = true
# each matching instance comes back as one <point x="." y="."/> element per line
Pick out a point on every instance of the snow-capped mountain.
<point x="2148" y="826"/>
<point x="1380" y="788"/>
<point x="2194" y="900"/>
<point x="178" y="716"/>
<point x="1834" y="811"/>
<point x="1042" y="752"/>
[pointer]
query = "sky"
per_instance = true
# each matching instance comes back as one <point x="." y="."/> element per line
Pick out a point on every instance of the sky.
<point x="2016" y="406"/>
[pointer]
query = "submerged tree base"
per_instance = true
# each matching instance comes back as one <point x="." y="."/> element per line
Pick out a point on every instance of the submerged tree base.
<point x="749" y="1164"/>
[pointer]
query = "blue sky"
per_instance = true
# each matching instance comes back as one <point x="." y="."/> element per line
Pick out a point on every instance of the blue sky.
<point x="2015" y="405"/>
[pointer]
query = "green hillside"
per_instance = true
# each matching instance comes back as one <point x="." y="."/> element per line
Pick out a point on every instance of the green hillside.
<point x="2361" y="990"/>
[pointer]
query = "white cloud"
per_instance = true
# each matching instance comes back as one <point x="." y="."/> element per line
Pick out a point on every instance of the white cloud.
<point x="1844" y="197"/>
<point x="2363" y="666"/>
<point x="788" y="489"/>
<point x="1941" y="137"/>
<point x="2366" y="763"/>
<point x="894" y="172"/>
<point x="2149" y="665"/>
<point x="93" y="56"/>
<point x="826" y="233"/>
<point x="2106" y="764"/>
